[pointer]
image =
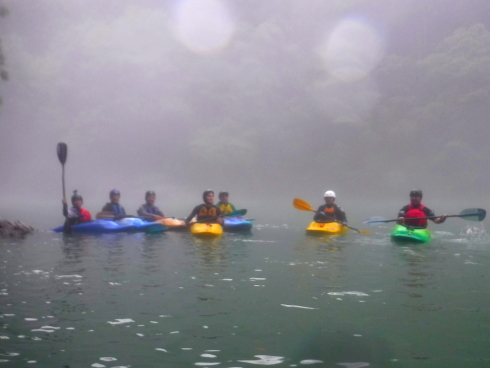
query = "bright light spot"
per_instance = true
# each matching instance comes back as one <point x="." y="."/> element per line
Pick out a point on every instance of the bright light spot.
<point x="204" y="26"/>
<point x="353" y="49"/>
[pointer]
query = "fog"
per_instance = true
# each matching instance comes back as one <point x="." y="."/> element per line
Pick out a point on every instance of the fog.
<point x="269" y="100"/>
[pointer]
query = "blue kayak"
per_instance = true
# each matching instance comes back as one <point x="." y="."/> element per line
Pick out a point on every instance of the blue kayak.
<point x="129" y="224"/>
<point x="236" y="224"/>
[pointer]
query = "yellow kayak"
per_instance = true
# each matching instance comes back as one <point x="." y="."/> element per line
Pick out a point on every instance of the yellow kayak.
<point x="326" y="228"/>
<point x="206" y="229"/>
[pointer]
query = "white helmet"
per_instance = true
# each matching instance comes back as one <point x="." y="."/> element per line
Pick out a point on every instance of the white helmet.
<point x="329" y="193"/>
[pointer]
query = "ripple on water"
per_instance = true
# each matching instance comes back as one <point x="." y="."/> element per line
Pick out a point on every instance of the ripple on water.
<point x="264" y="360"/>
<point x="311" y="361"/>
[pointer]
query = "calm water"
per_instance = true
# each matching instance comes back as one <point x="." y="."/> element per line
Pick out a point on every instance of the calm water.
<point x="272" y="297"/>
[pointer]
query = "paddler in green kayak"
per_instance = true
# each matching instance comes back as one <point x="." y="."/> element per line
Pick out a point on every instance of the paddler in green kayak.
<point x="223" y="203"/>
<point x="330" y="212"/>
<point x="206" y="212"/>
<point x="410" y="214"/>
<point x="148" y="210"/>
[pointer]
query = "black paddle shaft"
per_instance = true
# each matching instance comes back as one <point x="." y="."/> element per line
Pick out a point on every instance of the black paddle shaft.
<point x="62" y="151"/>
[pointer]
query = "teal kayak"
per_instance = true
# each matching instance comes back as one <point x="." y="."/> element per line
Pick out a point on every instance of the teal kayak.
<point x="410" y="235"/>
<point x="234" y="224"/>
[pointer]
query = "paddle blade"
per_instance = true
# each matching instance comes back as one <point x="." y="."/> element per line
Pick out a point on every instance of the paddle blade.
<point x="375" y="220"/>
<point x="473" y="214"/>
<point x="62" y="151"/>
<point x="302" y="205"/>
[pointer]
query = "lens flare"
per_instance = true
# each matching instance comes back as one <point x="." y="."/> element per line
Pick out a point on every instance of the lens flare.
<point x="353" y="49"/>
<point x="203" y="26"/>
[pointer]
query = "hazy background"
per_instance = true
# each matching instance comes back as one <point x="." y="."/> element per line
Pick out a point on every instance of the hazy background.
<point x="269" y="100"/>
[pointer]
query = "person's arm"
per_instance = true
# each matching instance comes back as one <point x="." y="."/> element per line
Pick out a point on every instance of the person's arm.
<point x="439" y="220"/>
<point x="142" y="212"/>
<point x="319" y="215"/>
<point x="107" y="208"/>
<point x="341" y="215"/>
<point x="219" y="220"/>
<point x="232" y="207"/>
<point x="159" y="213"/>
<point x="194" y="212"/>
<point x="65" y="207"/>
<point x="401" y="215"/>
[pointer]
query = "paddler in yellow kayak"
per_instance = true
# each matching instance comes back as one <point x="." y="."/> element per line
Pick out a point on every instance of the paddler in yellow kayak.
<point x="148" y="210"/>
<point x="223" y="203"/>
<point x="410" y="214"/>
<point x="330" y="212"/>
<point x="207" y="210"/>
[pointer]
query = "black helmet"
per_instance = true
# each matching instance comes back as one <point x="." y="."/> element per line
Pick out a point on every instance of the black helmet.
<point x="222" y="194"/>
<point x="416" y="193"/>
<point x="114" y="192"/>
<point x="206" y="192"/>
<point x="76" y="197"/>
<point x="150" y="193"/>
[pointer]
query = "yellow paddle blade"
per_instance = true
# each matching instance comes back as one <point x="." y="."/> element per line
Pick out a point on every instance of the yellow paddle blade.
<point x="302" y="205"/>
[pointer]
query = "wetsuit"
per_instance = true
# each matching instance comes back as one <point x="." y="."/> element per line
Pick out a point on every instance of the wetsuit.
<point x="146" y="210"/>
<point x="204" y="212"/>
<point x="115" y="208"/>
<point x="410" y="213"/>
<point x="330" y="214"/>
<point x="225" y="208"/>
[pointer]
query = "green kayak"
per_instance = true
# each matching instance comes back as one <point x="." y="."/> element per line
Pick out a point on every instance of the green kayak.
<point x="410" y="235"/>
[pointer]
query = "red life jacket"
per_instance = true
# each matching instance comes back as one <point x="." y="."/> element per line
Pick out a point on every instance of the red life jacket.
<point x="85" y="215"/>
<point x="413" y="214"/>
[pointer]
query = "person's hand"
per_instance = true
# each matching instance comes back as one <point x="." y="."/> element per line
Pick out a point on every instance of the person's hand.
<point x="63" y="201"/>
<point x="400" y="220"/>
<point x="443" y="218"/>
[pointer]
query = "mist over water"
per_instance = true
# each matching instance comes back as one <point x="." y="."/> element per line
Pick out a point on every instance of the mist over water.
<point x="267" y="100"/>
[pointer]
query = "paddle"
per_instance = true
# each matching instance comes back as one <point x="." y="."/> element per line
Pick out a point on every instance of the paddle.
<point x="470" y="214"/>
<point x="62" y="151"/>
<point x="305" y="206"/>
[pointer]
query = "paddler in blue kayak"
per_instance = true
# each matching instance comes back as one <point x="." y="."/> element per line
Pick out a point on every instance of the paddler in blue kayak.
<point x="113" y="207"/>
<point x="206" y="212"/>
<point x="223" y="203"/>
<point x="330" y="212"/>
<point x="409" y="214"/>
<point x="148" y="210"/>
<point x="75" y="215"/>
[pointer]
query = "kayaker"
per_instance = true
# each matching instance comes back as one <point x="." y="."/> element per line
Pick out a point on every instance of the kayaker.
<point x="409" y="214"/>
<point x="113" y="207"/>
<point x="207" y="210"/>
<point x="223" y="203"/>
<point x="75" y="215"/>
<point x="330" y="212"/>
<point x="148" y="210"/>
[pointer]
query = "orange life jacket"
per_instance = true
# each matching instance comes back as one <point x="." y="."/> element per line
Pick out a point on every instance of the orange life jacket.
<point x="207" y="212"/>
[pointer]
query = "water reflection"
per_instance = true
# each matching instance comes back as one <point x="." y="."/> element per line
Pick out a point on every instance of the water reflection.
<point x="419" y="276"/>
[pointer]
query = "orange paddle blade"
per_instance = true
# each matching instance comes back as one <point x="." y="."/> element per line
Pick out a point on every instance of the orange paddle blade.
<point x="302" y="205"/>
